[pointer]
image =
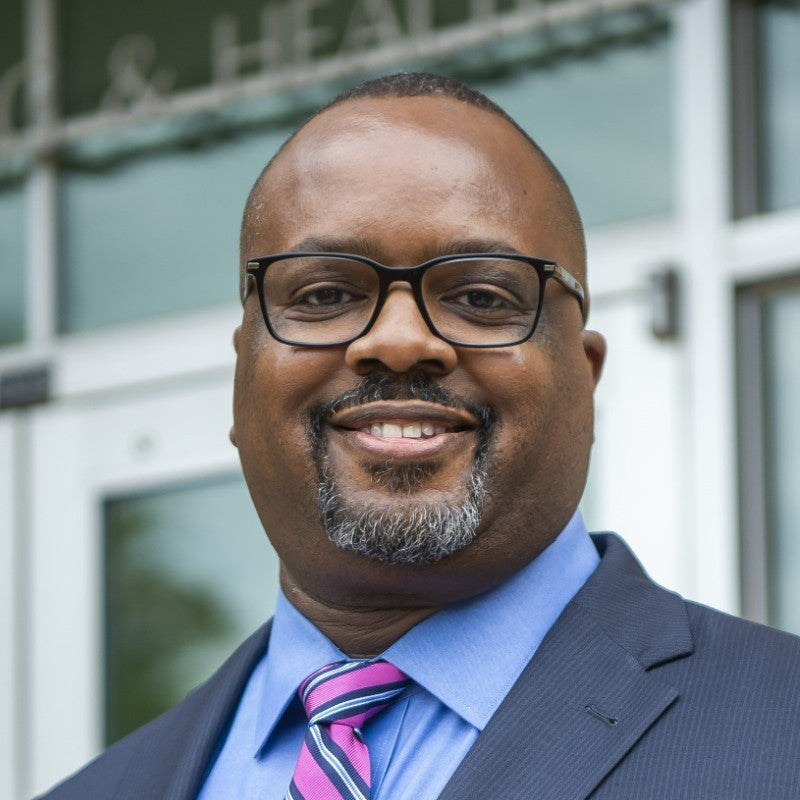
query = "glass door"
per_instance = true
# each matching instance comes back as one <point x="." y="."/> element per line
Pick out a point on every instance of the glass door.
<point x="149" y="565"/>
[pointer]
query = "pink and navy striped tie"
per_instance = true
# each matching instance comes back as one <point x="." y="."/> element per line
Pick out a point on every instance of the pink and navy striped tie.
<point x="339" y="698"/>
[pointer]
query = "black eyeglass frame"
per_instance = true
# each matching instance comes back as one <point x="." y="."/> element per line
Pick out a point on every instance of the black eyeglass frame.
<point x="257" y="269"/>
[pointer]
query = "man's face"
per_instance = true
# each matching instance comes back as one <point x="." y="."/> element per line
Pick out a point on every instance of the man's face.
<point x="440" y="470"/>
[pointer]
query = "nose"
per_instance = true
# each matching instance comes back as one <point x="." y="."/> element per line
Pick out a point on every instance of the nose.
<point x="400" y="340"/>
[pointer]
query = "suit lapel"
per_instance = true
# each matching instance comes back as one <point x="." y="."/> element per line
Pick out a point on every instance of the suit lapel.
<point x="172" y="762"/>
<point x="587" y="696"/>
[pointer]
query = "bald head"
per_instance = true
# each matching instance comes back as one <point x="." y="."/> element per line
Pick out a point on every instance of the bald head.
<point x="442" y="96"/>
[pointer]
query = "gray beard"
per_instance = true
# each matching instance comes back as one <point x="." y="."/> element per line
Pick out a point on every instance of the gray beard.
<point x="411" y="532"/>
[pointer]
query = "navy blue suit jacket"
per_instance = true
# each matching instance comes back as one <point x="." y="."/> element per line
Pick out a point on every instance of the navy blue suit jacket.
<point x="634" y="693"/>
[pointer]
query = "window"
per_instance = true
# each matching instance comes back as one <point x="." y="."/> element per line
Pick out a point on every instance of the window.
<point x="189" y="574"/>
<point x="156" y="234"/>
<point x="149" y="216"/>
<point x="12" y="264"/>
<point x="766" y="104"/>
<point x="601" y="109"/>
<point x="769" y="458"/>
<point x="11" y="68"/>
<point x="779" y="34"/>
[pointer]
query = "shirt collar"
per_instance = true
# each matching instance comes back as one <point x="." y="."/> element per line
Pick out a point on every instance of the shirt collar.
<point x="470" y="654"/>
<point x="467" y="655"/>
<point x="296" y="648"/>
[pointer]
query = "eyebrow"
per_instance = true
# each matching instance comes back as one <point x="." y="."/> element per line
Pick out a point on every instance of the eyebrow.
<point x="337" y="244"/>
<point x="371" y="249"/>
<point x="477" y="245"/>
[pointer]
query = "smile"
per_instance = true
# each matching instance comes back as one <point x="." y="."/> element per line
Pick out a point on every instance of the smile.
<point x="404" y="419"/>
<point x="403" y="428"/>
<point x="408" y="430"/>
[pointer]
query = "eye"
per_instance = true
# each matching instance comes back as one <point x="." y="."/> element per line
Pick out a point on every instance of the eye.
<point x="481" y="299"/>
<point x="325" y="296"/>
<point x="324" y="300"/>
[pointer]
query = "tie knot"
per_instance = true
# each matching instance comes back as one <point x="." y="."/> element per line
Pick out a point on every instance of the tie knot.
<point x="350" y="692"/>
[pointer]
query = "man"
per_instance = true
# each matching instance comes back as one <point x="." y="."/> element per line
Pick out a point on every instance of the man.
<point x="413" y="412"/>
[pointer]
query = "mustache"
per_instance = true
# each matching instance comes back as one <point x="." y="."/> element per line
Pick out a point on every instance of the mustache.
<point x="388" y="386"/>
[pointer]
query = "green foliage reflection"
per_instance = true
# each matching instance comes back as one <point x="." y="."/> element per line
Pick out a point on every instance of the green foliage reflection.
<point x="153" y="621"/>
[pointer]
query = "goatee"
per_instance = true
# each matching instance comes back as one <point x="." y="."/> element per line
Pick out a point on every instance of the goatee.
<point x="410" y="531"/>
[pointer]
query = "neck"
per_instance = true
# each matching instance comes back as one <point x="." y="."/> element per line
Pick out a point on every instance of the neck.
<point x="359" y="632"/>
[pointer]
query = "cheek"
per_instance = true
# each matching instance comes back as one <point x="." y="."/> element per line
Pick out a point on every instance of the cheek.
<point x="545" y="411"/>
<point x="518" y="385"/>
<point x="276" y="386"/>
<point x="272" y="442"/>
<point x="275" y="379"/>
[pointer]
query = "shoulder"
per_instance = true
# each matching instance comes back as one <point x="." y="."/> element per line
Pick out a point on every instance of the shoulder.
<point x="746" y="662"/>
<point x="740" y="637"/>
<point x="174" y="748"/>
<point x="101" y="777"/>
<point x="733" y="729"/>
<point x="658" y="625"/>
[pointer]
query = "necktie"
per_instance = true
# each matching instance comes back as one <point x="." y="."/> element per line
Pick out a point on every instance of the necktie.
<point x="334" y="761"/>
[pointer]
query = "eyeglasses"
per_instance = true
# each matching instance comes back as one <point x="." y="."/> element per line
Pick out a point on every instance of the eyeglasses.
<point x="469" y="299"/>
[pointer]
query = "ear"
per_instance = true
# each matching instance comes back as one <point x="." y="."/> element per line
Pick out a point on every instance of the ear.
<point x="594" y="346"/>
<point x="237" y="335"/>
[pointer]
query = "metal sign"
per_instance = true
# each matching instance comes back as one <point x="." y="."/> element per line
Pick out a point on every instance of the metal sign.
<point x="291" y="48"/>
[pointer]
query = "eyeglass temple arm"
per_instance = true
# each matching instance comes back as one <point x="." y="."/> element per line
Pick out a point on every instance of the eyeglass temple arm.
<point x="571" y="284"/>
<point x="248" y="281"/>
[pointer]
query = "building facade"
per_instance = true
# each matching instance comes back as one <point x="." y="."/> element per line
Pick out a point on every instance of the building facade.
<point x="131" y="560"/>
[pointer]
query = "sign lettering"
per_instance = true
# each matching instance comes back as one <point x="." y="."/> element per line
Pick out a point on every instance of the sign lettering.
<point x="289" y="33"/>
<point x="11" y="85"/>
<point x="135" y="80"/>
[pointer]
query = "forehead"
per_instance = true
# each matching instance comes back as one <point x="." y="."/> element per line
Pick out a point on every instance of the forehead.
<point x="416" y="172"/>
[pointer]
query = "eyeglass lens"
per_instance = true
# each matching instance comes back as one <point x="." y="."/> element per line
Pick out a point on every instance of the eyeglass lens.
<point x="330" y="299"/>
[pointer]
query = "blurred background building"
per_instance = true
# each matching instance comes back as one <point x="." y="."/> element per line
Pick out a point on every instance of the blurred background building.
<point x="131" y="560"/>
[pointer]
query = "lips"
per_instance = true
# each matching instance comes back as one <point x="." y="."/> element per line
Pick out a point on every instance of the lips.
<point x="404" y="419"/>
<point x="402" y="430"/>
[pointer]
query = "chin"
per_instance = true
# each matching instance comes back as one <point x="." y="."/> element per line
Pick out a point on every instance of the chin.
<point x="408" y="529"/>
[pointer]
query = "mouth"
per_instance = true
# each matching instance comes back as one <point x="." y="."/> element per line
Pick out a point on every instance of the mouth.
<point x="404" y="430"/>
<point x="403" y="427"/>
<point x="403" y="419"/>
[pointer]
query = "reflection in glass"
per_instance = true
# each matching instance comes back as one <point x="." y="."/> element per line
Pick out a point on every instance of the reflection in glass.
<point x="603" y="115"/>
<point x="11" y="36"/>
<point x="149" y="231"/>
<point x="155" y="235"/>
<point x="12" y="264"/>
<point x="189" y="574"/>
<point x="782" y="386"/>
<point x="177" y="46"/>
<point x="779" y="34"/>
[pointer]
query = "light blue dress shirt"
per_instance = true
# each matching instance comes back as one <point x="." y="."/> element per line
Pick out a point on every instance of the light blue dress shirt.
<point x="462" y="660"/>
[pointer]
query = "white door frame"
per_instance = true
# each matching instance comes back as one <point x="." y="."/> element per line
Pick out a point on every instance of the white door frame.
<point x="12" y="649"/>
<point x="79" y="454"/>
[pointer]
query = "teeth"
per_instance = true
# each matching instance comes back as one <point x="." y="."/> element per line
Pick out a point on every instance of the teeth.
<point x="412" y="431"/>
<point x="392" y="431"/>
<point x="409" y="430"/>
